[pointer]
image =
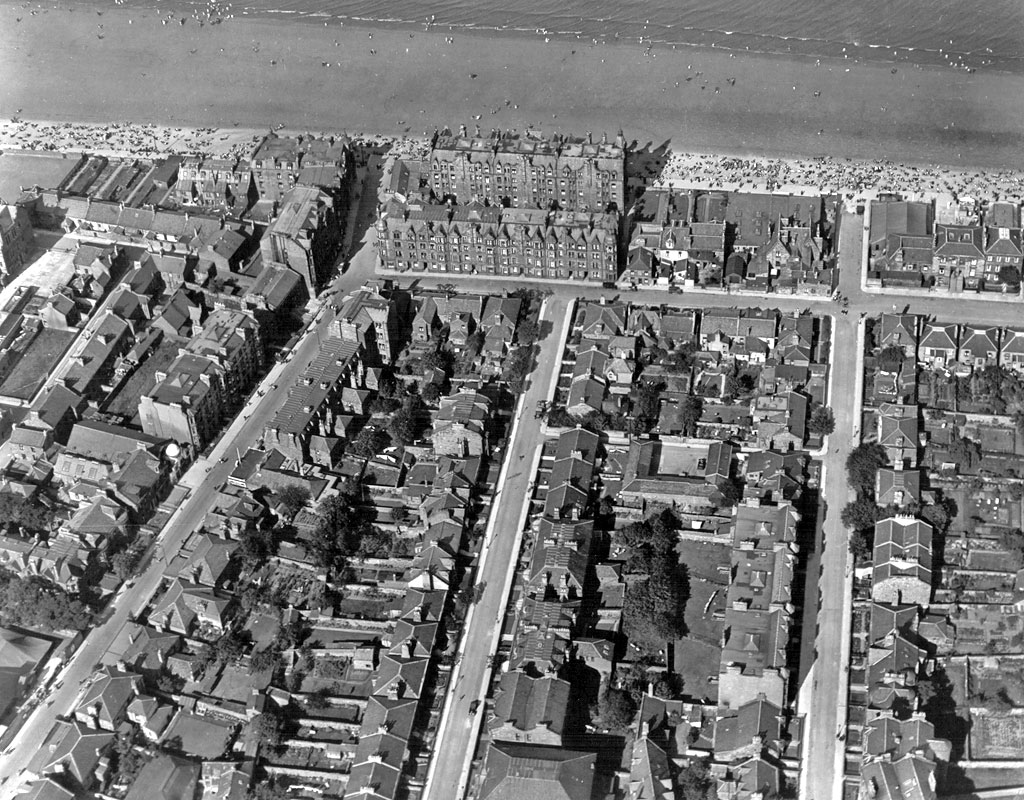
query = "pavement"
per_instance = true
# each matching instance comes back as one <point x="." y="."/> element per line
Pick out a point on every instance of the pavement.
<point x="822" y="698"/>
<point x="204" y="479"/>
<point x="458" y="728"/>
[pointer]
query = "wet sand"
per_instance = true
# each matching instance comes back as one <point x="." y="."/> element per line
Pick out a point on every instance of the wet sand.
<point x="259" y="73"/>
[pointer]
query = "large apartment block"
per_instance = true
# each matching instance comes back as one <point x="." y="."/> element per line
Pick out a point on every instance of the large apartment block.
<point x="527" y="172"/>
<point x="489" y="240"/>
<point x="187" y="403"/>
<point x="305" y="237"/>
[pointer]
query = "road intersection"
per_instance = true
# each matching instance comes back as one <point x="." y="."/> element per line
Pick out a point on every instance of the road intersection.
<point x="822" y="698"/>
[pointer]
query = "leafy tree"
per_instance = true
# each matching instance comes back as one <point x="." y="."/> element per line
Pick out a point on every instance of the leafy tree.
<point x="822" y="422"/>
<point x="668" y="686"/>
<point x="863" y="464"/>
<point x="124" y="563"/>
<point x="402" y="427"/>
<point x="937" y="515"/>
<point x="965" y="452"/>
<point x="1010" y="275"/>
<point x="861" y="545"/>
<point x="36" y="603"/>
<point x="527" y="331"/>
<point x="267" y="790"/>
<point x="690" y="411"/>
<point x="256" y="545"/>
<point x="28" y="513"/>
<point x="615" y="710"/>
<point x="431" y="394"/>
<point x="694" y="782"/>
<point x="265" y="660"/>
<point x="269" y="729"/>
<point x="399" y="514"/>
<point x="293" y="497"/>
<point x="340" y="525"/>
<point x="369" y="442"/>
<point x="891" y="358"/>
<point x="517" y="367"/>
<point x="730" y="492"/>
<point x="375" y="543"/>
<point x="648" y="400"/>
<point x="319" y="699"/>
<point x="383" y="405"/>
<point x="861" y="514"/>
<point x="653" y="609"/>
<point x="439" y="359"/>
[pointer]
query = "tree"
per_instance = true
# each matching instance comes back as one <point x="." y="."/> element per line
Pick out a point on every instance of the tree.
<point x="402" y="427"/>
<point x="861" y="545"/>
<point x="653" y="609"/>
<point x="431" y="394"/>
<point x="965" y="452"/>
<point x="517" y="367"/>
<point x="863" y="464"/>
<point x="265" y="660"/>
<point x="822" y="422"/>
<point x="318" y="699"/>
<point x="30" y="514"/>
<point x="256" y="545"/>
<point x="383" y="405"/>
<point x="399" y="514"/>
<point x="527" y="331"/>
<point x="615" y="710"/>
<point x="690" y="411"/>
<point x="293" y="497"/>
<point x="891" y="358"/>
<point x="439" y="359"/>
<point x="269" y="729"/>
<point x="124" y="562"/>
<point x="694" y="782"/>
<point x="937" y="515"/>
<point x="341" y="524"/>
<point x="369" y="441"/>
<point x="1010" y="275"/>
<point x="35" y="603"/>
<point x="861" y="514"/>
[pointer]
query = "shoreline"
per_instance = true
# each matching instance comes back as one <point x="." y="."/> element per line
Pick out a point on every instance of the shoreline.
<point x="654" y="169"/>
<point x="254" y="73"/>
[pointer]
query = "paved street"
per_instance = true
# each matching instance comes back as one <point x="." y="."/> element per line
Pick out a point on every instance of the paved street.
<point x="822" y="698"/>
<point x="204" y="478"/>
<point x="456" y="738"/>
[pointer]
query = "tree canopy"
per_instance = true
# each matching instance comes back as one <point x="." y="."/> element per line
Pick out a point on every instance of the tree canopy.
<point x="35" y="603"/>
<point x="690" y="411"/>
<point x="822" y="422"/>
<point x="341" y="524"/>
<point x="863" y="464"/>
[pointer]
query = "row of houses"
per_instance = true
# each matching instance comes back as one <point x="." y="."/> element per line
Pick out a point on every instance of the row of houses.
<point x="908" y="247"/>
<point x="740" y="240"/>
<point x="899" y="751"/>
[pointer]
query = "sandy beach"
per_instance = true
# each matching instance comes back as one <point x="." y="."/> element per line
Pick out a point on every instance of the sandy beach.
<point x="127" y="64"/>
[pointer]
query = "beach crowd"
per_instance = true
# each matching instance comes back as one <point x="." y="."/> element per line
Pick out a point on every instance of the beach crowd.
<point x="676" y="169"/>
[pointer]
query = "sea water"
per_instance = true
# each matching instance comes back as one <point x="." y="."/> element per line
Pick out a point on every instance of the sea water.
<point x="986" y="35"/>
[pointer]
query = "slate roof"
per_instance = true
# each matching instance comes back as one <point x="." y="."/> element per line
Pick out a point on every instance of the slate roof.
<point x="533" y="772"/>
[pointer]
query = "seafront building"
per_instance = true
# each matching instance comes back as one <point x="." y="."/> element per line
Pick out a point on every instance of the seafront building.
<point x="528" y="171"/>
<point x="491" y="240"/>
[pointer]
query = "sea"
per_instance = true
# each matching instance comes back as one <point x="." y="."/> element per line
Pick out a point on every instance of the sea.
<point x="962" y="34"/>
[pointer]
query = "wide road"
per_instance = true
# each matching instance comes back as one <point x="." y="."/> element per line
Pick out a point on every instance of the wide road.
<point x="204" y="479"/>
<point x="823" y="698"/>
<point x="458" y="728"/>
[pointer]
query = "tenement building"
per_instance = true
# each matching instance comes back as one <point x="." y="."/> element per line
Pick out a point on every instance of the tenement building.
<point x="490" y="240"/>
<point x="528" y="172"/>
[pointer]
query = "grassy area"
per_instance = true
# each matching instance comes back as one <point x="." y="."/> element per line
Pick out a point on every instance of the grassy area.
<point x="36" y="362"/>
